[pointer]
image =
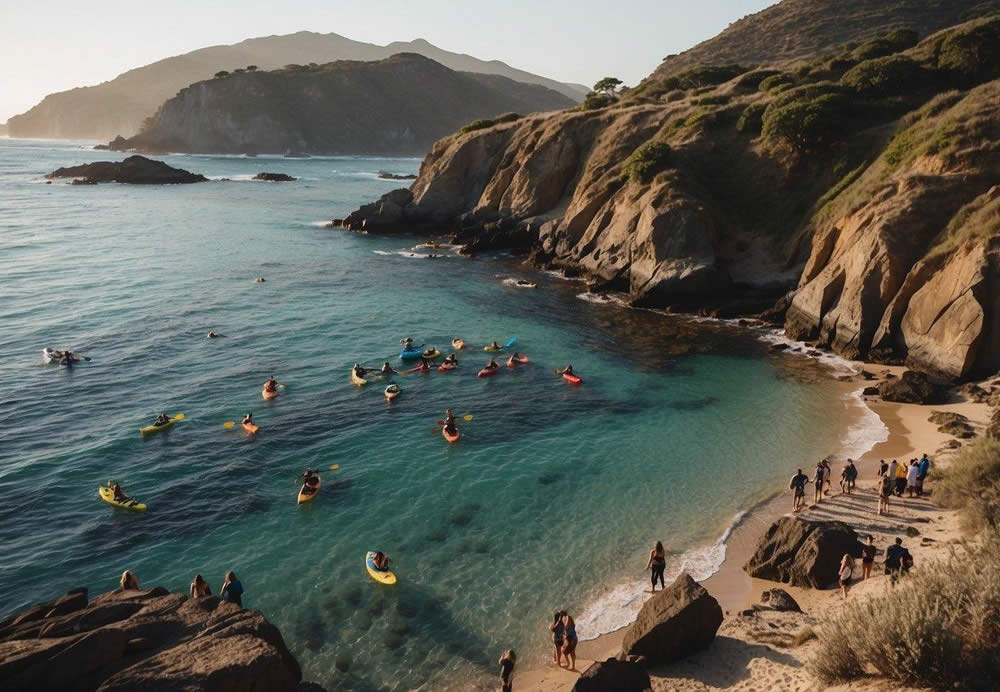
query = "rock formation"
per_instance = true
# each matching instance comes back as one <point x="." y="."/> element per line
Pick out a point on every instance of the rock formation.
<point x="150" y="640"/>
<point x="396" y="106"/>
<point x="911" y="387"/>
<point x="803" y="553"/>
<point x="135" y="170"/>
<point x="275" y="177"/>
<point x="614" y="675"/>
<point x="676" y="622"/>
<point x="863" y="211"/>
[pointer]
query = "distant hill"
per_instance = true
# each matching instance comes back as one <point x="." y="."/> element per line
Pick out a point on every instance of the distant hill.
<point x="396" y="106"/>
<point x="120" y="105"/>
<point x="795" y="29"/>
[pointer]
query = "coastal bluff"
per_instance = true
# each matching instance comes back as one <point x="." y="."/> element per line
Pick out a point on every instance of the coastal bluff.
<point x="144" y="639"/>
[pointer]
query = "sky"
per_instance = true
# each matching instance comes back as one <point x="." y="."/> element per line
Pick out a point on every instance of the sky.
<point x="60" y="44"/>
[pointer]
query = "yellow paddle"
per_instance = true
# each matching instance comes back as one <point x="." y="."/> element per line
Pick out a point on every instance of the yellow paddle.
<point x="179" y="416"/>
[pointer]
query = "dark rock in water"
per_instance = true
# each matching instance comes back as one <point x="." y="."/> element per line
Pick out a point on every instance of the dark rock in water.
<point x="803" y="553"/>
<point x="613" y="675"/>
<point x="386" y="175"/>
<point x="973" y="392"/>
<point x="101" y="147"/>
<point x="144" y="639"/>
<point x="275" y="177"/>
<point x="912" y="387"/>
<point x="778" y="347"/>
<point x="865" y="375"/>
<point x="870" y="391"/>
<point x="779" y="599"/>
<point x="135" y="170"/>
<point x="676" y="622"/>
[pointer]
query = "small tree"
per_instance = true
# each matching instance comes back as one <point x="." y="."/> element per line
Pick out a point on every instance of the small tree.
<point x="251" y="68"/>
<point x="608" y="85"/>
<point x="221" y="73"/>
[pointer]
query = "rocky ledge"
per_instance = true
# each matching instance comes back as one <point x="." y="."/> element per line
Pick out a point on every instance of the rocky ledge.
<point x="135" y="170"/>
<point x="386" y="175"/>
<point x="148" y="639"/>
<point x="275" y="177"/>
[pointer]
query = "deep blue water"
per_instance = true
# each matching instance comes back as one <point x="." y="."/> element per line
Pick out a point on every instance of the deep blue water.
<point x="551" y="497"/>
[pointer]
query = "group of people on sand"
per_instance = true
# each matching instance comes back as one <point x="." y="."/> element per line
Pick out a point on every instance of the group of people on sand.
<point x="896" y="478"/>
<point x="231" y="591"/>
<point x="898" y="561"/>
<point x="822" y="478"/>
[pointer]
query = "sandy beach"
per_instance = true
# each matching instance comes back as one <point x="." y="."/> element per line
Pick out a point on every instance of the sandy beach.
<point x="746" y="654"/>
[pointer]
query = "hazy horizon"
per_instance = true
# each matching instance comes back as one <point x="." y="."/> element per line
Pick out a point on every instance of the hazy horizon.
<point x="73" y="45"/>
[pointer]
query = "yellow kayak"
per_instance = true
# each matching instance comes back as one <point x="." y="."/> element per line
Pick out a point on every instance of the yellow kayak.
<point x="309" y="496"/>
<point x="360" y="381"/>
<point x="157" y="428"/>
<point x="381" y="576"/>
<point x="108" y="495"/>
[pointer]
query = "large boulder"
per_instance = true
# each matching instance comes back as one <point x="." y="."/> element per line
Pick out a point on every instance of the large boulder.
<point x="677" y="622"/>
<point x="135" y="170"/>
<point x="613" y="675"/>
<point x="781" y="600"/>
<point x="274" y="177"/>
<point x="803" y="553"/>
<point x="912" y="387"/>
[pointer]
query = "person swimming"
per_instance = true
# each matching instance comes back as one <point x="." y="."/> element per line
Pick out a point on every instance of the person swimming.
<point x="211" y="335"/>
<point x="161" y="419"/>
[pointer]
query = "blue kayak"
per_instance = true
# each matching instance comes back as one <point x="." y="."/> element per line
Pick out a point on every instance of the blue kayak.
<point x="411" y="354"/>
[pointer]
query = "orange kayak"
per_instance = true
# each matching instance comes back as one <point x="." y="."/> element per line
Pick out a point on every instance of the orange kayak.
<point x="251" y="428"/>
<point x="448" y="436"/>
<point x="444" y="367"/>
<point x="458" y="344"/>
<point x="269" y="395"/>
<point x="309" y="497"/>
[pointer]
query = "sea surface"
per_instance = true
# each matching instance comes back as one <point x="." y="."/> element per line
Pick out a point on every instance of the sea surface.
<point x="551" y="499"/>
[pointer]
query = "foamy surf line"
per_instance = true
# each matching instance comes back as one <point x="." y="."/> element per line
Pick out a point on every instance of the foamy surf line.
<point x="619" y="607"/>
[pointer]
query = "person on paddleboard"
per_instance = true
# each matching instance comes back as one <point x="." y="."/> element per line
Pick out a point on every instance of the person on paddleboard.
<point x="162" y="419"/>
<point x="381" y="561"/>
<point x="387" y="369"/>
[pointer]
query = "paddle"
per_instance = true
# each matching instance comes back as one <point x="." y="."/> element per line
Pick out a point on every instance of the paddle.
<point x="179" y="416"/>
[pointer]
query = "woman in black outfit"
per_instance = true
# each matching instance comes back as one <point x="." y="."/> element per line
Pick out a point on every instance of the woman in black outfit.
<point x="657" y="563"/>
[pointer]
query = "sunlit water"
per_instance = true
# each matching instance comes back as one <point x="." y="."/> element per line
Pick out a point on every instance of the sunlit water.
<point x="550" y="499"/>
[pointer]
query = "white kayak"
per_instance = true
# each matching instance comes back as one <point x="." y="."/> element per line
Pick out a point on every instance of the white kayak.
<point x="51" y="355"/>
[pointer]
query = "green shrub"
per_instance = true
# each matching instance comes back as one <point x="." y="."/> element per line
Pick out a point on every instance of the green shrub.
<point x="594" y="100"/>
<point x="972" y="482"/>
<point x="507" y="117"/>
<point x="775" y="80"/>
<point x="708" y="75"/>
<point x="480" y="124"/>
<point x="714" y="100"/>
<point x="675" y="95"/>
<point x="891" y="75"/>
<point x="887" y="44"/>
<point x="646" y="161"/>
<point x="808" y="117"/>
<point x="752" y="80"/>
<point x="751" y="119"/>
<point x="973" y="54"/>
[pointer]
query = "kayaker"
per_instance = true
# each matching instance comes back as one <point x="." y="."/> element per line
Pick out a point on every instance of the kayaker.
<point x="360" y="371"/>
<point x="450" y="359"/>
<point x="232" y="590"/>
<point x="161" y="419"/>
<point x="449" y="417"/>
<point x="387" y="369"/>
<point x="200" y="587"/>
<point x="492" y="365"/>
<point x="515" y="359"/>
<point x="128" y="581"/>
<point x="271" y="385"/>
<point x="212" y="335"/>
<point x="66" y="358"/>
<point x="567" y="371"/>
<point x="310" y="481"/>
<point x="381" y="561"/>
<point x="407" y="344"/>
<point x="248" y="419"/>
<point x="119" y="495"/>
<point x="495" y="346"/>
<point x="425" y="365"/>
<point x="429" y="352"/>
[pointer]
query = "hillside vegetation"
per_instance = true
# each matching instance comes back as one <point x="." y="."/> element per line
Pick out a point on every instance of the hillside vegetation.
<point x="119" y="106"/>
<point x="396" y="106"/>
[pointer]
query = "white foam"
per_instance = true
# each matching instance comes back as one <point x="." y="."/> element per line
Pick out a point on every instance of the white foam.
<point x="562" y="275"/>
<point x="867" y="432"/>
<point x="603" y="298"/>
<point x="408" y="254"/>
<point x="618" y="607"/>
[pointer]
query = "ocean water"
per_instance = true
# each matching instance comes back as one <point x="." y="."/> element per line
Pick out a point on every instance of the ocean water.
<point x="551" y="499"/>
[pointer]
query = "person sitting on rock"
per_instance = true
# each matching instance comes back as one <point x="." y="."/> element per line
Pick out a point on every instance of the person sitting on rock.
<point x="128" y="581"/>
<point x="200" y="587"/>
<point x="232" y="590"/>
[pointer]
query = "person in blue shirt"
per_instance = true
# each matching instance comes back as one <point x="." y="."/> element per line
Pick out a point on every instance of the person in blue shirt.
<point x="923" y="466"/>
<point x="232" y="590"/>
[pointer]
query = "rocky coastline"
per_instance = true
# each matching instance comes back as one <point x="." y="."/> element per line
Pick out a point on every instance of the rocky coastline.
<point x="144" y="639"/>
<point x="134" y="170"/>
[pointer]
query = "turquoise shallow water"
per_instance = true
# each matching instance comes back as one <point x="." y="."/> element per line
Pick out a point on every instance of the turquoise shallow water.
<point x="552" y="495"/>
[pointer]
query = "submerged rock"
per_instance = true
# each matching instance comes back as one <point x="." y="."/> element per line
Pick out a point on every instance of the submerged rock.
<point x="676" y="622"/>
<point x="275" y="177"/>
<point x="135" y="170"/>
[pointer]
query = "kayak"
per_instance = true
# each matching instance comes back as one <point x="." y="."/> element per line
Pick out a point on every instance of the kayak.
<point x="392" y="391"/>
<point x="381" y="576"/>
<point x="450" y="437"/>
<point x="309" y="497"/>
<point x="108" y="495"/>
<point x="572" y="379"/>
<point x="269" y="395"/>
<point x="157" y="428"/>
<point x="49" y="355"/>
<point x="513" y="340"/>
<point x="360" y="381"/>
<point x="421" y="369"/>
<point x="486" y="372"/>
<point x="251" y="428"/>
<point x="411" y="353"/>
<point x="432" y="355"/>
<point x="513" y="362"/>
<point x="445" y="367"/>
<point x="458" y="344"/>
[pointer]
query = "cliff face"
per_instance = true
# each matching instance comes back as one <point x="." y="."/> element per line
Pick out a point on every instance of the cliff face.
<point x="119" y="106"/>
<point x="871" y="203"/>
<point x="395" y="106"/>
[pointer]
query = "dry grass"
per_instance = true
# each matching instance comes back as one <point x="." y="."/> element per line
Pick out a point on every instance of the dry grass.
<point x="972" y="484"/>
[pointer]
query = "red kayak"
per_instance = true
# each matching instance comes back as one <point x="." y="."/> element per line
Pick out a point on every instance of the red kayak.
<point x="448" y="436"/>
<point x="445" y="367"/>
<point x="486" y="372"/>
<point x="422" y="370"/>
<point x="572" y="379"/>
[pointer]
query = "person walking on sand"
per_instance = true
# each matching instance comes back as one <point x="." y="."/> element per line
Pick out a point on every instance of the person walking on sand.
<point x="818" y="477"/>
<point x="556" y="628"/>
<point x="923" y="466"/>
<point x="868" y="557"/>
<point x="232" y="590"/>
<point x="911" y="478"/>
<point x="891" y="473"/>
<point x="883" y="468"/>
<point x="798" y="486"/>
<point x="507" y="660"/>
<point x="848" y="477"/>
<point x="128" y="581"/>
<point x="898" y="561"/>
<point x="657" y="563"/>
<point x="845" y="573"/>
<point x="884" y="493"/>
<point x="827" y="477"/>
<point x="569" y="644"/>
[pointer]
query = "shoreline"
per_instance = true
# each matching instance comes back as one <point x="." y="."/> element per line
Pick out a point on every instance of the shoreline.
<point x="908" y="434"/>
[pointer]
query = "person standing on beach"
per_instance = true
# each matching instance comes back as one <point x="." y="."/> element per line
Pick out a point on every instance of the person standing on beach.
<point x="891" y="473"/>
<point x="818" y="480"/>
<point x="868" y="551"/>
<point x="847" y="477"/>
<point x="657" y="563"/>
<point x="569" y="643"/>
<point x="883" y="468"/>
<point x="923" y="467"/>
<point x="556" y="628"/>
<point x="798" y="485"/>
<point x="911" y="478"/>
<point x="827" y="477"/>
<point x="845" y="573"/>
<point x="901" y="478"/>
<point x="884" y="493"/>
<point x="507" y="660"/>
